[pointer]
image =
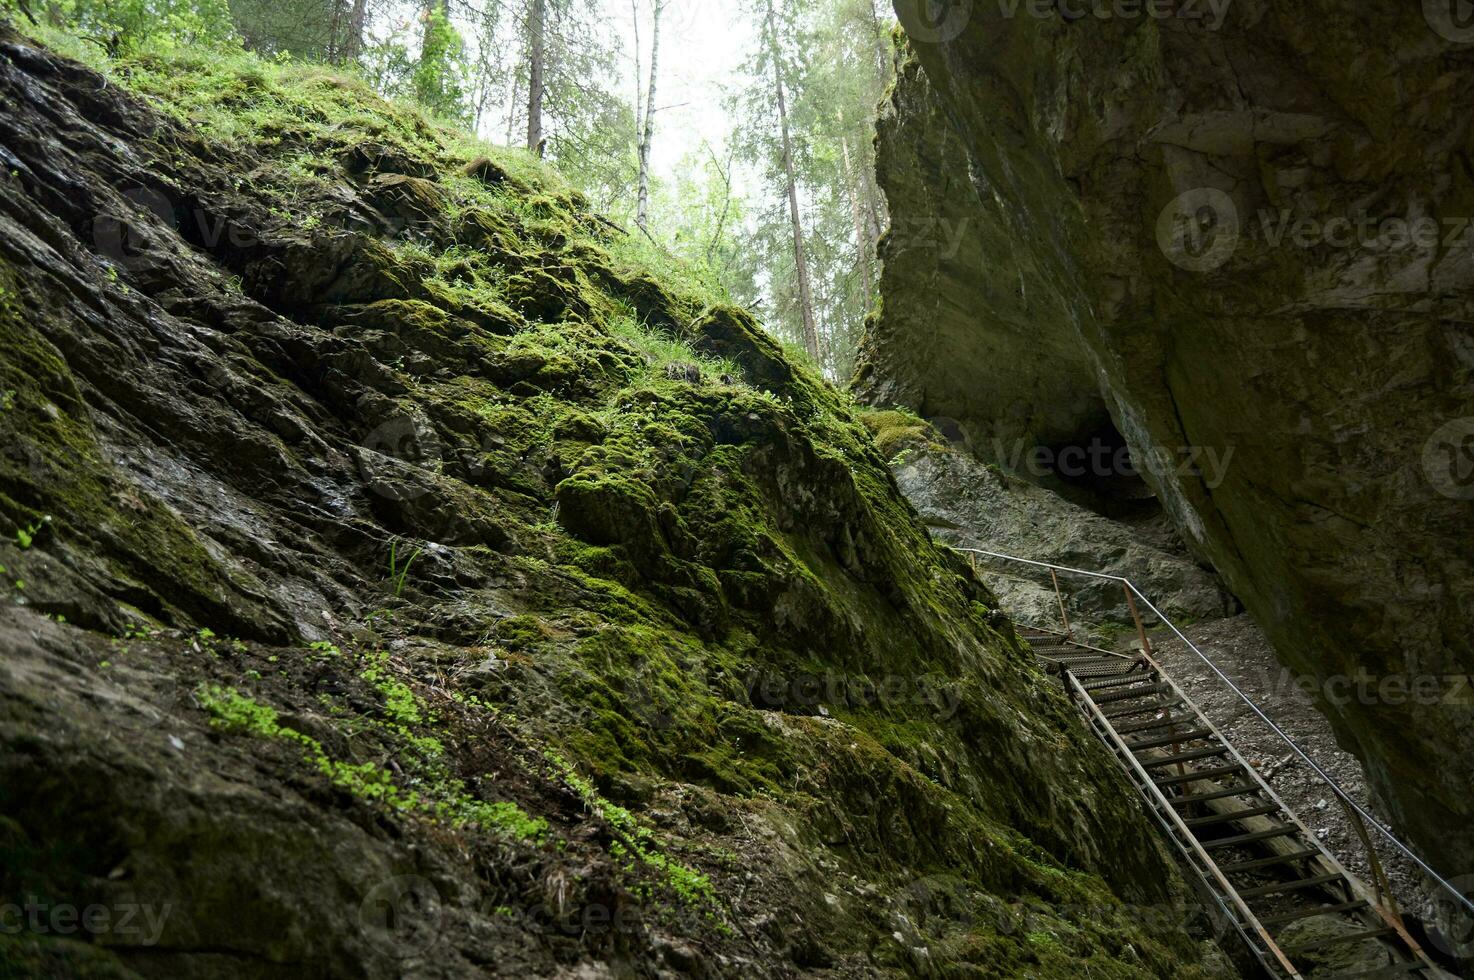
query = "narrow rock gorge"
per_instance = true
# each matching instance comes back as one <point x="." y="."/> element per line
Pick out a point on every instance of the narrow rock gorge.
<point x="1238" y="234"/>
<point x="402" y="580"/>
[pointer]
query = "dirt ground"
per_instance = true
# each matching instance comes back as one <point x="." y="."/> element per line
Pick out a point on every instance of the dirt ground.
<point x="1241" y="650"/>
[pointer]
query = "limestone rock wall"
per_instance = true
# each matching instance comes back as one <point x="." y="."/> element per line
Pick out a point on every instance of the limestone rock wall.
<point x="1145" y="168"/>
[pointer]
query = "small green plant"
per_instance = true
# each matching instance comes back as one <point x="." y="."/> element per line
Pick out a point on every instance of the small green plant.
<point x="7" y="397"/>
<point x="661" y="351"/>
<point x="26" y="536"/>
<point x="400" y="703"/>
<point x="399" y="574"/>
<point x="439" y="794"/>
<point x="637" y="843"/>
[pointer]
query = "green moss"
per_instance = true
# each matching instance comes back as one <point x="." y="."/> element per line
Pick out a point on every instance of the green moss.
<point x="898" y="430"/>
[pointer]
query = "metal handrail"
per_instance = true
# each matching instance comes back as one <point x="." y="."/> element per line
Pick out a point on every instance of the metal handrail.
<point x="1325" y="777"/>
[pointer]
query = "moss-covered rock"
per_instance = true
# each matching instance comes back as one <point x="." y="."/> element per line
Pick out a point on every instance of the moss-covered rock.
<point x="571" y="625"/>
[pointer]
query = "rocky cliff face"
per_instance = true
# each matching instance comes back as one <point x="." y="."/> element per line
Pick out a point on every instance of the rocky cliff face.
<point x="1255" y="223"/>
<point x="960" y="302"/>
<point x="974" y="506"/>
<point x="400" y="580"/>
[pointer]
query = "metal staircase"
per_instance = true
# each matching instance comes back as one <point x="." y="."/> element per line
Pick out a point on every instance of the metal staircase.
<point x="1261" y="868"/>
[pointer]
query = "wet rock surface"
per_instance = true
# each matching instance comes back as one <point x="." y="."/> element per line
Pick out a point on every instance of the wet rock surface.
<point x="1148" y="174"/>
<point x="377" y="602"/>
<point x="971" y="505"/>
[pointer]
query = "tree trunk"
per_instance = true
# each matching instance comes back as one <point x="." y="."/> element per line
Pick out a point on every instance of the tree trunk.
<point x="357" y="25"/>
<point x="800" y="259"/>
<point x="536" y="55"/>
<point x="642" y="213"/>
<point x="639" y="72"/>
<point x="863" y="241"/>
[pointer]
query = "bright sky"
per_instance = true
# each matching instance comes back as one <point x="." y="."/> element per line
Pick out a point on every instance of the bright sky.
<point x="702" y="43"/>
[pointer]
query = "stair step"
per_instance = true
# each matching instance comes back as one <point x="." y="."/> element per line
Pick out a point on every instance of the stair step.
<point x="1131" y="694"/>
<point x="1217" y="818"/>
<point x="1180" y="737"/>
<point x="1285" y="831"/>
<point x="1189" y="777"/>
<point x="1211" y="752"/>
<point x="1306" y="913"/>
<point x="1268" y="862"/>
<point x="1392" y="969"/>
<point x="1106" y="668"/>
<point x="1147" y="726"/>
<point x="1142" y="709"/>
<point x="1121" y="681"/>
<point x="1295" y="949"/>
<point x="1291" y="886"/>
<point x="1220" y="794"/>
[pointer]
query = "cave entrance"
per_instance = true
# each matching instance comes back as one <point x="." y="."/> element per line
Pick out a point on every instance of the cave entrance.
<point x="1096" y="470"/>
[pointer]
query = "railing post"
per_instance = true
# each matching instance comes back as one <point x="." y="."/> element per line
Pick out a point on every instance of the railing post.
<point x="1146" y="646"/>
<point x="1385" y="897"/>
<point x="1064" y="616"/>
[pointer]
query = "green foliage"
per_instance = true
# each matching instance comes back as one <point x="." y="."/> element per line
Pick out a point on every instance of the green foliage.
<point x="438" y="81"/>
<point x="897" y="431"/>
<point x="636" y="842"/>
<point x="836" y="63"/>
<point x="26" y="536"/>
<point x="401" y="705"/>
<point x="660" y="351"/>
<point x="310" y="29"/>
<point x="126" y="26"/>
